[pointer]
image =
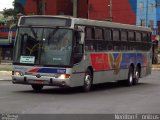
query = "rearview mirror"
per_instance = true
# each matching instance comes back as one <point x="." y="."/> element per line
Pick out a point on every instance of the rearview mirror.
<point x="81" y="37"/>
<point x="80" y="34"/>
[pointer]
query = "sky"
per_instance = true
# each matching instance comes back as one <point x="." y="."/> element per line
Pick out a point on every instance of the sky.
<point x="5" y="4"/>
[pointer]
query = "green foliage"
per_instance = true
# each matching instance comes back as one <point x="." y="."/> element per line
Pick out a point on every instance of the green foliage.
<point x="9" y="12"/>
<point x="13" y="12"/>
<point x="18" y="8"/>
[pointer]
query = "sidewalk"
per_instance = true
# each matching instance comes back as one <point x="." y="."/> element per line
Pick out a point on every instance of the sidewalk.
<point x="5" y="75"/>
<point x="5" y="71"/>
<point x="156" y="67"/>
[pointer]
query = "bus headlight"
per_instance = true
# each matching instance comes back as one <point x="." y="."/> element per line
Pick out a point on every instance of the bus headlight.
<point x="16" y="73"/>
<point x="63" y="76"/>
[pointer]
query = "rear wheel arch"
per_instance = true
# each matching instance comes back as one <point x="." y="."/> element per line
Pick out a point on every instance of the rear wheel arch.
<point x="133" y="66"/>
<point x="91" y="69"/>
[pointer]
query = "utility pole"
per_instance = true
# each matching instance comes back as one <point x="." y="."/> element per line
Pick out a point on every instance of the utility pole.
<point x="147" y="14"/>
<point x="75" y="3"/>
<point x="110" y="9"/>
<point x="43" y="7"/>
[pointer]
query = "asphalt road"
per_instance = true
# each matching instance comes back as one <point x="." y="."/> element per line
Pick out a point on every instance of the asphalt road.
<point x="103" y="99"/>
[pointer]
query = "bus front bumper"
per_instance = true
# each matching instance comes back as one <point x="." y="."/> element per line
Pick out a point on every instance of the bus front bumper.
<point x="44" y="80"/>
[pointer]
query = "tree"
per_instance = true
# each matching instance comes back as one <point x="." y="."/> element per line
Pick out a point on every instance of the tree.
<point x="18" y="8"/>
<point x="9" y="12"/>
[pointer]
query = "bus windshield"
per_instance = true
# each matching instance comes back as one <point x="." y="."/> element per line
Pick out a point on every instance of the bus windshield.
<point x="43" y="46"/>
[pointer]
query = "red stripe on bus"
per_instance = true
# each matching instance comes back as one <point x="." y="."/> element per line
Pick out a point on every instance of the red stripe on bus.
<point x="100" y="61"/>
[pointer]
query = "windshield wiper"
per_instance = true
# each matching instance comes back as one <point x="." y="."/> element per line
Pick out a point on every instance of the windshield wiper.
<point x="52" y="34"/>
<point x="34" y="33"/>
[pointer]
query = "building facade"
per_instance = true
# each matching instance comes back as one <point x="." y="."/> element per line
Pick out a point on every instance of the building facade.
<point x="148" y="15"/>
<point x="6" y="47"/>
<point x="49" y="7"/>
<point x="115" y="10"/>
<point x="123" y="11"/>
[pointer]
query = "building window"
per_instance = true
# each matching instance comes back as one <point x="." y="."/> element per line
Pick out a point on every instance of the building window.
<point x="151" y="7"/>
<point x="158" y="23"/>
<point x="151" y="24"/>
<point x="141" y="6"/>
<point x="142" y="22"/>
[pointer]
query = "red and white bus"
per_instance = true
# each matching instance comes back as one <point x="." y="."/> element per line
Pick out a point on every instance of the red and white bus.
<point x="68" y="52"/>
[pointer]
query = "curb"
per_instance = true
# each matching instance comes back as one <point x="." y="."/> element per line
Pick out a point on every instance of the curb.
<point x="156" y="69"/>
<point x="5" y="80"/>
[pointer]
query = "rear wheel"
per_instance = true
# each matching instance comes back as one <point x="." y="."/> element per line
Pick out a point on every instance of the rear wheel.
<point x="37" y="87"/>
<point x="87" y="81"/>
<point x="137" y="76"/>
<point x="129" y="81"/>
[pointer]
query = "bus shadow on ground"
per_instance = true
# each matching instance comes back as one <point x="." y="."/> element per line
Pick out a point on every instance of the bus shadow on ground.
<point x="95" y="88"/>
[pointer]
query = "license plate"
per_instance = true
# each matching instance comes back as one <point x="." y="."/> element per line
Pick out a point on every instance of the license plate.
<point x="39" y="82"/>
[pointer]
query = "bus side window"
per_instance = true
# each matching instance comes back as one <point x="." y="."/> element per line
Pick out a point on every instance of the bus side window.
<point x="89" y="37"/>
<point x="116" y="35"/>
<point x="131" y="36"/>
<point x="108" y="39"/>
<point x="144" y="37"/>
<point x="138" y="37"/>
<point x="99" y="34"/>
<point x="107" y="35"/>
<point x="123" y="35"/>
<point x="89" y="33"/>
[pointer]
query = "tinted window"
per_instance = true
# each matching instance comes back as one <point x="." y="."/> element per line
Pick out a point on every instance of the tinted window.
<point x="123" y="35"/>
<point x="138" y="36"/>
<point x="98" y="33"/>
<point x="149" y="37"/>
<point x="107" y="34"/>
<point x="144" y="37"/>
<point x="131" y="36"/>
<point x="116" y="35"/>
<point x="45" y="21"/>
<point x="89" y="33"/>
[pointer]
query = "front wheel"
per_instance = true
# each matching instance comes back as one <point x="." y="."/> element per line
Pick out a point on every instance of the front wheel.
<point x="37" y="87"/>
<point x="87" y="81"/>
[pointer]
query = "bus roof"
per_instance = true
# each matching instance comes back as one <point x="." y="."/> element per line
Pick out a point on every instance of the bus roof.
<point x="109" y="24"/>
<point x="98" y="23"/>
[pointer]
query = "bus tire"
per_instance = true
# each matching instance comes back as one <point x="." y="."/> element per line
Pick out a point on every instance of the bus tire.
<point x="87" y="81"/>
<point x="129" y="81"/>
<point x="137" y="76"/>
<point x="37" y="87"/>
